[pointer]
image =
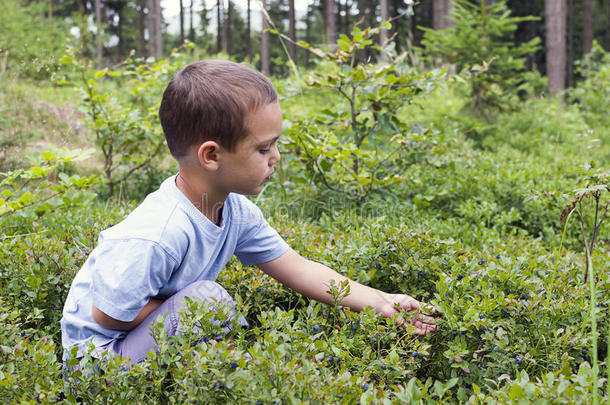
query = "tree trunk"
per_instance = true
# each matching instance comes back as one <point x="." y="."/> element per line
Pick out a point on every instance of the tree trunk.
<point x="191" y="27"/>
<point x="555" y="14"/>
<point x="219" y="18"/>
<point x="569" y="40"/>
<point x="383" y="34"/>
<point x="307" y="32"/>
<point x="449" y="23"/>
<point x="292" y="48"/>
<point x="98" y="32"/>
<point x="441" y="14"/>
<point x="587" y="26"/>
<point x="438" y="14"/>
<point x="265" y="42"/>
<point x="181" y="22"/>
<point x="362" y="8"/>
<point x="141" y="27"/>
<point x="329" y="20"/>
<point x="155" y="18"/>
<point x="228" y="28"/>
<point x="248" y="33"/>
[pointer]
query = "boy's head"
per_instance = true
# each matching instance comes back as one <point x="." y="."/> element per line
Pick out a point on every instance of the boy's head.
<point x="209" y="100"/>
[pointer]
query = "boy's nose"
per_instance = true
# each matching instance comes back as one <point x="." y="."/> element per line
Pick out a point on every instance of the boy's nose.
<point x="275" y="157"/>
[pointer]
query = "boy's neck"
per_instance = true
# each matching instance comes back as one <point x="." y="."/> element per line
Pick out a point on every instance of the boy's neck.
<point x="201" y="196"/>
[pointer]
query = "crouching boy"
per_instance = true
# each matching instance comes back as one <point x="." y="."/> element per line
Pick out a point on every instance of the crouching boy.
<point x="222" y="122"/>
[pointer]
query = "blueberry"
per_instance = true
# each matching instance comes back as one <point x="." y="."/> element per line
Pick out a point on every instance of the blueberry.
<point x="460" y="277"/>
<point x="316" y="328"/>
<point x="384" y="254"/>
<point x="454" y="333"/>
<point x="421" y="273"/>
<point x="415" y="354"/>
<point x="420" y="356"/>
<point x="378" y="267"/>
<point x="518" y="359"/>
<point x="482" y="261"/>
<point x="391" y="368"/>
<point x="584" y="352"/>
<point x="419" y="297"/>
<point x="365" y="386"/>
<point x="347" y="321"/>
<point x="504" y="311"/>
<point x="462" y="332"/>
<point x="111" y="224"/>
<point x="329" y="358"/>
<point x="497" y="256"/>
<point x="483" y="329"/>
<point x="447" y="294"/>
<point x="374" y="340"/>
<point x="525" y="297"/>
<point x="481" y="316"/>
<point x="234" y="364"/>
<point x="354" y="327"/>
<point x="382" y="367"/>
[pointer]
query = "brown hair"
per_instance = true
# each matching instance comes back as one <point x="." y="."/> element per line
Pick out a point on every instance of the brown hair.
<point x="208" y="100"/>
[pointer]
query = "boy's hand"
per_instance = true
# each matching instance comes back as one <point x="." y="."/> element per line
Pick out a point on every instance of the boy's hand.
<point x="423" y="323"/>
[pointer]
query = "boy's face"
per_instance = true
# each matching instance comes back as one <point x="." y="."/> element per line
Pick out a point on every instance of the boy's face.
<point x="247" y="168"/>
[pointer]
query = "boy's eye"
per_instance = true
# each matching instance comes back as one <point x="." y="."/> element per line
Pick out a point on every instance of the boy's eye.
<point x="265" y="150"/>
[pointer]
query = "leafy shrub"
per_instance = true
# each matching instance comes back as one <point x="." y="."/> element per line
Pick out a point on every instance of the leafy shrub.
<point x="30" y="44"/>
<point x="126" y="124"/>
<point x="481" y="46"/>
<point x="360" y="146"/>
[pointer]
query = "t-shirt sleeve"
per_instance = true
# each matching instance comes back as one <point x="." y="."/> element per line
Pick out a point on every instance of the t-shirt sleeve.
<point x="126" y="274"/>
<point x="258" y="241"/>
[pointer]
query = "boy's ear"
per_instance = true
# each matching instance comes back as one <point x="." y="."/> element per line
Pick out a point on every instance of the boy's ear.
<point x="208" y="155"/>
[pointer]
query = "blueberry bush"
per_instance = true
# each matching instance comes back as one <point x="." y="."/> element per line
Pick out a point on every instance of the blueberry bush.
<point x="473" y="228"/>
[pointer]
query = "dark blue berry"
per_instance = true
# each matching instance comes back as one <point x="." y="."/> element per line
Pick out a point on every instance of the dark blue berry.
<point x="454" y="333"/>
<point x="584" y="352"/>
<point x="378" y="267"/>
<point x="482" y="261"/>
<point x="415" y="354"/>
<point x="316" y="328"/>
<point x="460" y="277"/>
<point x="354" y="327"/>
<point x="497" y="256"/>
<point x="391" y="368"/>
<point x="234" y="364"/>
<point x="447" y="294"/>
<point x="374" y="340"/>
<point x="382" y="367"/>
<point x="481" y="316"/>
<point x="418" y="297"/>
<point x="365" y="386"/>
<point x="329" y="358"/>
<point x="421" y="273"/>
<point x="462" y="332"/>
<point x="518" y="359"/>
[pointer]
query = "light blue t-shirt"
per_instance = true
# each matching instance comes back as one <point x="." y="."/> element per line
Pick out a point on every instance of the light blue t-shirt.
<point x="164" y="245"/>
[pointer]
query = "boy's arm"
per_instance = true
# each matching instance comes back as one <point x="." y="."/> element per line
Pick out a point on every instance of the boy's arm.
<point x="313" y="280"/>
<point x="109" y="322"/>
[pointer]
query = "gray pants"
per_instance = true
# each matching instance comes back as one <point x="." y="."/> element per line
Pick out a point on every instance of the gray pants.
<point x="139" y="341"/>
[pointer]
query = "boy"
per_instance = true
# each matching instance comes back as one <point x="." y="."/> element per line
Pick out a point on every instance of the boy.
<point x="222" y="122"/>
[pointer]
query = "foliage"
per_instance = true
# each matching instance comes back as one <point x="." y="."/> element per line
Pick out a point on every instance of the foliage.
<point x="33" y="187"/>
<point x="593" y="93"/>
<point x="480" y="46"/>
<point x="126" y="124"/>
<point x="30" y="44"/>
<point x="359" y="146"/>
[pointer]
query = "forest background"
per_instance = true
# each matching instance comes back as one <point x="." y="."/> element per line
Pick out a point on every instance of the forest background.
<point x="456" y="151"/>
